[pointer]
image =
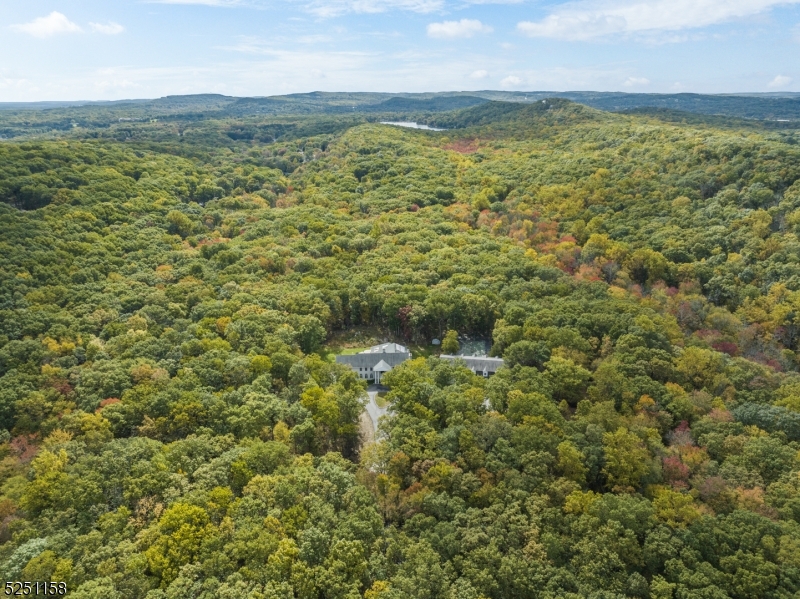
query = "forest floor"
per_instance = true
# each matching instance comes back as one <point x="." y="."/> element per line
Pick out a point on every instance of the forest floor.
<point x="366" y="428"/>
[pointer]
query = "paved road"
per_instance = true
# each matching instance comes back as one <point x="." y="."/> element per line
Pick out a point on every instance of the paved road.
<point x="373" y="411"/>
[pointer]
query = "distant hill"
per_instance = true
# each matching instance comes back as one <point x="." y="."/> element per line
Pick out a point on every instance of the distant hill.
<point x="772" y="111"/>
<point x="348" y="103"/>
<point x="774" y="107"/>
<point x="762" y="107"/>
<point x="669" y="115"/>
<point x="500" y="115"/>
<point x="510" y="117"/>
<point x="438" y="104"/>
<point x="65" y="104"/>
<point x="168" y="102"/>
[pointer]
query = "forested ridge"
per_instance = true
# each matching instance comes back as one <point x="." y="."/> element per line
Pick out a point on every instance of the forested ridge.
<point x="172" y="423"/>
<point x="121" y="119"/>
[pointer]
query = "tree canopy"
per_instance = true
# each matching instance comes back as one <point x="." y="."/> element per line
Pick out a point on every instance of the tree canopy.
<point x="172" y="423"/>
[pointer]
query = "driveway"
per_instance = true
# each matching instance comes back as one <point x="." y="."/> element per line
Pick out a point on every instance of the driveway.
<point x="373" y="411"/>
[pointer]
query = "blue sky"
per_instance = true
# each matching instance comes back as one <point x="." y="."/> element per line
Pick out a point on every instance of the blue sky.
<point x="101" y="50"/>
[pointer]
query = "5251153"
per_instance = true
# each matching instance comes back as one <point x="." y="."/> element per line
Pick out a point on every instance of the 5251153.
<point x="24" y="589"/>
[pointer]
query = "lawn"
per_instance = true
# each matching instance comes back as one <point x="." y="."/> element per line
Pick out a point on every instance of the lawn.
<point x="349" y="351"/>
<point x="424" y="351"/>
<point x="380" y="399"/>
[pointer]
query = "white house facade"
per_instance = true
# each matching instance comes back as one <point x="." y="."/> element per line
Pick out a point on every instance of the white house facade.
<point x="372" y="364"/>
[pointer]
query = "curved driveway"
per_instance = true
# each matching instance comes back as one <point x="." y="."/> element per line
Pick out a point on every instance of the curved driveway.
<point x="372" y="408"/>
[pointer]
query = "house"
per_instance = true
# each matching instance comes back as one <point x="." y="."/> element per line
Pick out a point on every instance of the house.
<point x="373" y="363"/>
<point x="480" y="365"/>
<point x="379" y="370"/>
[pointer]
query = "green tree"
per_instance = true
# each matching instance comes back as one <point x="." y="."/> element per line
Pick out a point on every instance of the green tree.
<point x="570" y="462"/>
<point x="177" y="540"/>
<point x="627" y="460"/>
<point x="450" y="343"/>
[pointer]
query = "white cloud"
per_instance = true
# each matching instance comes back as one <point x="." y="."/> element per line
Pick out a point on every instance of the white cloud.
<point x="781" y="81"/>
<point x="9" y="83"/>
<point x="333" y="8"/>
<point x="602" y="78"/>
<point x="109" y="28"/>
<point x="314" y="39"/>
<point x="479" y="74"/>
<point x="272" y="70"/>
<point x="50" y="25"/>
<point x="454" y="29"/>
<point x="589" y="19"/>
<point x="199" y="2"/>
<point x="636" y="82"/>
<point x="268" y="68"/>
<point x="511" y="81"/>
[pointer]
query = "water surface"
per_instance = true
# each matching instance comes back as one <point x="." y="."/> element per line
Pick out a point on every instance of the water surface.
<point x="410" y="125"/>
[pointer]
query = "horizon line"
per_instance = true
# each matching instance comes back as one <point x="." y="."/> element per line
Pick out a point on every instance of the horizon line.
<point x="77" y="103"/>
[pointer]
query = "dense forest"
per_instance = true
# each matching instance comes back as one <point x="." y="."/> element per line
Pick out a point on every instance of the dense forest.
<point x="90" y="119"/>
<point x="173" y="291"/>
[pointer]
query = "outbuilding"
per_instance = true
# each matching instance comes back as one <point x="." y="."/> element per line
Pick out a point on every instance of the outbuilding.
<point x="480" y="365"/>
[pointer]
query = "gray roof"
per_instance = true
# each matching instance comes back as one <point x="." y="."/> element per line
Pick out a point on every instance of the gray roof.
<point x="387" y="348"/>
<point x="390" y="354"/>
<point x="382" y="367"/>
<point x="371" y="360"/>
<point x="478" y="364"/>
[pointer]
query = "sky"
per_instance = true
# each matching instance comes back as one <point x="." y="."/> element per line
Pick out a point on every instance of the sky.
<point x="102" y="50"/>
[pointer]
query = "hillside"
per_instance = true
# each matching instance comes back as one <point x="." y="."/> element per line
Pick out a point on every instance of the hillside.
<point x="53" y="118"/>
<point x="172" y="289"/>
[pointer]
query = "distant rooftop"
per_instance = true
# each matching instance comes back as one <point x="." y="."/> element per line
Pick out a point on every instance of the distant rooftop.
<point x="478" y="364"/>
<point x="473" y="359"/>
<point x="387" y="348"/>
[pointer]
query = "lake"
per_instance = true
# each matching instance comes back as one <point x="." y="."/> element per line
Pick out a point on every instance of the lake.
<point x="410" y="125"/>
